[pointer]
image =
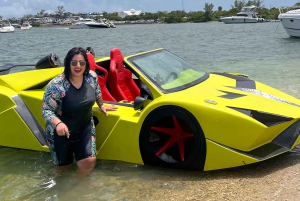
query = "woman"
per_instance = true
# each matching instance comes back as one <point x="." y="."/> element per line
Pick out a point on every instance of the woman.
<point x="67" y="109"/>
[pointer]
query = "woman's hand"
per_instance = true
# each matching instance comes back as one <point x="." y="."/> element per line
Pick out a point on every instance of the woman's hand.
<point x="105" y="108"/>
<point x="62" y="130"/>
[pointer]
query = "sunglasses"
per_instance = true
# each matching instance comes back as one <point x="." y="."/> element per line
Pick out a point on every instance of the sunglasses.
<point x="81" y="63"/>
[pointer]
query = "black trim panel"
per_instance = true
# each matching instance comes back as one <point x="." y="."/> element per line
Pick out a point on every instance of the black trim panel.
<point x="288" y="137"/>
<point x="29" y="119"/>
<point x="265" y="118"/>
<point x="231" y="95"/>
<point x="241" y="81"/>
<point x="267" y="150"/>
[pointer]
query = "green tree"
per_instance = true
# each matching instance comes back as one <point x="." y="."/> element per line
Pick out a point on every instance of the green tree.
<point x="218" y="12"/>
<point x="208" y="10"/>
<point x="41" y="13"/>
<point x="297" y="4"/>
<point x="232" y="11"/>
<point x="131" y="18"/>
<point x="239" y="4"/>
<point x="257" y="3"/>
<point x="161" y="15"/>
<point x="175" y="16"/>
<point x="110" y="16"/>
<point x="28" y="16"/>
<point x="196" y="16"/>
<point x="60" y="10"/>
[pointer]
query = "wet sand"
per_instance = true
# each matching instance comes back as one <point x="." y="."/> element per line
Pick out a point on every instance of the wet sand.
<point x="274" y="179"/>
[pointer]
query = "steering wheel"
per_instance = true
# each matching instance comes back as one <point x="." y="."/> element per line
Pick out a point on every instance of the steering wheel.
<point x="170" y="75"/>
<point x="159" y="79"/>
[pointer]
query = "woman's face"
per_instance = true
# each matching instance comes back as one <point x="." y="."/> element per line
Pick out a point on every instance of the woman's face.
<point x="77" y="65"/>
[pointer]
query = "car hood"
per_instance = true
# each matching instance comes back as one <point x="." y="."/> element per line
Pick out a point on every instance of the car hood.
<point x="236" y="91"/>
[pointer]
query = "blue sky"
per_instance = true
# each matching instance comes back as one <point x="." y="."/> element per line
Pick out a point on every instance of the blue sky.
<point x="19" y="8"/>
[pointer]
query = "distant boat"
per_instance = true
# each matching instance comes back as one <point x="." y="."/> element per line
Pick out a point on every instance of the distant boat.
<point x="26" y="25"/>
<point x="16" y="25"/>
<point x="6" y="27"/>
<point x="290" y="20"/>
<point x="89" y="24"/>
<point x="247" y="15"/>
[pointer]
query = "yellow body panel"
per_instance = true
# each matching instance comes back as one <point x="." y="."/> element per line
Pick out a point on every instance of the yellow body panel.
<point x="219" y="157"/>
<point x="23" y="80"/>
<point x="6" y="101"/>
<point x="17" y="136"/>
<point x="117" y="135"/>
<point x="297" y="142"/>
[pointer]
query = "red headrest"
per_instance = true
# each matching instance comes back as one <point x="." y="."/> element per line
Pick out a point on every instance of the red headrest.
<point x="117" y="57"/>
<point x="91" y="61"/>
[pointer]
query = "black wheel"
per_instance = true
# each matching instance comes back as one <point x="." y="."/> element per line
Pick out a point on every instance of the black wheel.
<point x="172" y="137"/>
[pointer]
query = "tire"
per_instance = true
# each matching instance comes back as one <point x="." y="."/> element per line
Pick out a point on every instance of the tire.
<point x="162" y="145"/>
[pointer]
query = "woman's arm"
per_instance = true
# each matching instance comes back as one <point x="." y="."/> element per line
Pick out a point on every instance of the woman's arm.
<point x="99" y="99"/>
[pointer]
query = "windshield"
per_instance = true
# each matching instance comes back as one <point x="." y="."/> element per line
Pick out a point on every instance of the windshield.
<point x="167" y="71"/>
<point x="4" y="24"/>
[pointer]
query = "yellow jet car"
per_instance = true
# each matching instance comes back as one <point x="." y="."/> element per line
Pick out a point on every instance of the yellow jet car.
<point x="170" y="113"/>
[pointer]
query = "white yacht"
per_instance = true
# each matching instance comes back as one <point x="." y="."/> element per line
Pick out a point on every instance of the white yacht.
<point x="26" y="25"/>
<point x="6" y="27"/>
<point x="89" y="24"/>
<point x="247" y="15"/>
<point x="290" y="20"/>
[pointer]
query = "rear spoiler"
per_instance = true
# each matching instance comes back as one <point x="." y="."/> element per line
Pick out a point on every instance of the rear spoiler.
<point x="5" y="68"/>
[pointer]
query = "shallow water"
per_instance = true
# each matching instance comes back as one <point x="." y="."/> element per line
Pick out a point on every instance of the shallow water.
<point x="263" y="51"/>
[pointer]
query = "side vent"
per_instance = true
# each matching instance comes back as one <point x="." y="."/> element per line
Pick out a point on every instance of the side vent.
<point x="263" y="117"/>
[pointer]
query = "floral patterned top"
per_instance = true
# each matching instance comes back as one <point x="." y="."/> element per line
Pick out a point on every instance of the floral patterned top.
<point x="54" y="94"/>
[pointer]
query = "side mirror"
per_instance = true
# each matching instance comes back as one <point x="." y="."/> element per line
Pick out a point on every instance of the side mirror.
<point x="139" y="103"/>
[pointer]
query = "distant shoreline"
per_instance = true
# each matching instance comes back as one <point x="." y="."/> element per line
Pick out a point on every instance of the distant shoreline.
<point x="64" y="26"/>
<point x="122" y="24"/>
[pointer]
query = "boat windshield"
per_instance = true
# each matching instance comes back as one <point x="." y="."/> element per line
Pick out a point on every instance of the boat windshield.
<point x="4" y="24"/>
<point x="167" y="71"/>
<point x="244" y="15"/>
<point x="248" y="9"/>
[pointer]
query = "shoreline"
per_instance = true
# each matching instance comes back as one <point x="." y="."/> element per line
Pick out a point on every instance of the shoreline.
<point x="125" y="24"/>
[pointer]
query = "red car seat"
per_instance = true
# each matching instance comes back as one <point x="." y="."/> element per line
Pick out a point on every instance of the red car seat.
<point x="120" y="80"/>
<point x="102" y="78"/>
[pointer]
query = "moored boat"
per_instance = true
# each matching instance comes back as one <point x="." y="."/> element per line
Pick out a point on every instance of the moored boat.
<point x="26" y="25"/>
<point x="89" y="24"/>
<point x="290" y="20"/>
<point x="6" y="27"/>
<point x="247" y="15"/>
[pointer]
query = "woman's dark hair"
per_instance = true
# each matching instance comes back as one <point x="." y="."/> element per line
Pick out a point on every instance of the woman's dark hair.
<point x="72" y="52"/>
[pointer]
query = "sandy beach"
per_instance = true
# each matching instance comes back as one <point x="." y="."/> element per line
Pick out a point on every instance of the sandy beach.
<point x="275" y="179"/>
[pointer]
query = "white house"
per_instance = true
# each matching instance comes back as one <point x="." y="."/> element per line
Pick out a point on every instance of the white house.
<point x="123" y="14"/>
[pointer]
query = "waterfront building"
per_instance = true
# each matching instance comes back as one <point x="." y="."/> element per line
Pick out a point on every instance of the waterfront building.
<point x="131" y="12"/>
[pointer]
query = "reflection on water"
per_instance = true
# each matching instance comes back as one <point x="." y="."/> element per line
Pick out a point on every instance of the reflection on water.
<point x="255" y="50"/>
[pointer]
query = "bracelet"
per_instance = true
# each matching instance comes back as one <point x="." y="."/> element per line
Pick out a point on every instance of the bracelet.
<point x="57" y="123"/>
